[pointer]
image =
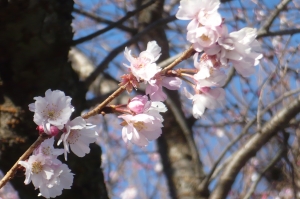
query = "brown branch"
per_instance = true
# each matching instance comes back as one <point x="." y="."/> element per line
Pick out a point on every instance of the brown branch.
<point x="278" y="122"/>
<point x="254" y="185"/>
<point x="11" y="173"/>
<point x="98" y="109"/>
<point x="278" y="33"/>
<point x="266" y="26"/>
<point x="102" y="20"/>
<point x="118" y="23"/>
<point x="185" y="55"/>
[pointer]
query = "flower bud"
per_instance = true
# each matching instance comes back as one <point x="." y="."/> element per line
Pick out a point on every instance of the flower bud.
<point x="137" y="104"/>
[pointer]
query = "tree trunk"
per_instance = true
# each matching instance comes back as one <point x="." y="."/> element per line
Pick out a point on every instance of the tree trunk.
<point x="35" y="38"/>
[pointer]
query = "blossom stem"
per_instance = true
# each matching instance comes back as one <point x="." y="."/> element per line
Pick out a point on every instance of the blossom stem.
<point x="187" y="54"/>
<point x="10" y="174"/>
<point x="99" y="108"/>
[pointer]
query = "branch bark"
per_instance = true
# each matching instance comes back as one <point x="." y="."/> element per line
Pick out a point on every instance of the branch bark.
<point x="35" y="39"/>
<point x="278" y="122"/>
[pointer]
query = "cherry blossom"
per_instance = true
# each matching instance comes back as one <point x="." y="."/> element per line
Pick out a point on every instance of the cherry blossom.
<point x="145" y="126"/>
<point x="48" y="151"/>
<point x="78" y="136"/>
<point x="140" y="129"/>
<point x="154" y="86"/>
<point x="206" y="98"/>
<point x="53" y="109"/>
<point x="240" y="48"/>
<point x="209" y="74"/>
<point x="143" y="67"/>
<point x="200" y="11"/>
<point x="62" y="179"/>
<point x="46" y="172"/>
<point x="202" y="37"/>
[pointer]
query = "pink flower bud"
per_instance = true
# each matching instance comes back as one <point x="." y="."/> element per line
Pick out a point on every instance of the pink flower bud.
<point x="40" y="128"/>
<point x="54" y="130"/>
<point x="205" y="89"/>
<point x="137" y="104"/>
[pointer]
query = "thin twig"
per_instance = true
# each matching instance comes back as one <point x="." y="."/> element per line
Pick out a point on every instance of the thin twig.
<point x="278" y="33"/>
<point x="98" y="109"/>
<point x="244" y="131"/>
<point x="253" y="186"/>
<point x="239" y="159"/>
<point x="266" y="26"/>
<point x="118" y="23"/>
<point x="102" y="20"/>
<point x="185" y="55"/>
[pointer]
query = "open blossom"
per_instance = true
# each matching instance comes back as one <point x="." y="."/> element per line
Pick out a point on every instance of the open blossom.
<point x="240" y="48"/>
<point x="143" y="67"/>
<point x="204" y="12"/>
<point x="53" y="109"/>
<point x="62" y="179"/>
<point x="48" y="151"/>
<point x="209" y="74"/>
<point x="154" y="87"/>
<point x="146" y="125"/>
<point x="206" y="98"/>
<point x="78" y="136"/>
<point x="50" y="178"/>
<point x="202" y="37"/>
<point x="140" y="129"/>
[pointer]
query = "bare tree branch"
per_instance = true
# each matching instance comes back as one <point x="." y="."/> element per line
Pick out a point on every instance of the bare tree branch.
<point x="265" y="28"/>
<point x="99" y="32"/>
<point x="106" y="21"/>
<point x="278" y="122"/>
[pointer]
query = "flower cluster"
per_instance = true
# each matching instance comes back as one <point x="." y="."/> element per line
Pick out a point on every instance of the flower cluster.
<point x="52" y="115"/>
<point x="46" y="172"/>
<point x="209" y="36"/>
<point x="144" y="68"/>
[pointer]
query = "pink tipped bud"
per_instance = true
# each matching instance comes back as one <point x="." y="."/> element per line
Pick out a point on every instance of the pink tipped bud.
<point x="54" y="130"/>
<point x="204" y="89"/>
<point x="40" y="128"/>
<point x="137" y="104"/>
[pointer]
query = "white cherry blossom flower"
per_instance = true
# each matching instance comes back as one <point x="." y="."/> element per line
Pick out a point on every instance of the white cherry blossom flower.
<point x="62" y="179"/>
<point x="141" y="128"/>
<point x="208" y="74"/>
<point x="53" y="109"/>
<point x="48" y="151"/>
<point x="240" y="48"/>
<point x="78" y="136"/>
<point x="207" y="98"/>
<point x="204" y="12"/>
<point x="202" y="37"/>
<point x="154" y="87"/>
<point x="46" y="172"/>
<point x="143" y="67"/>
<point x="36" y="169"/>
